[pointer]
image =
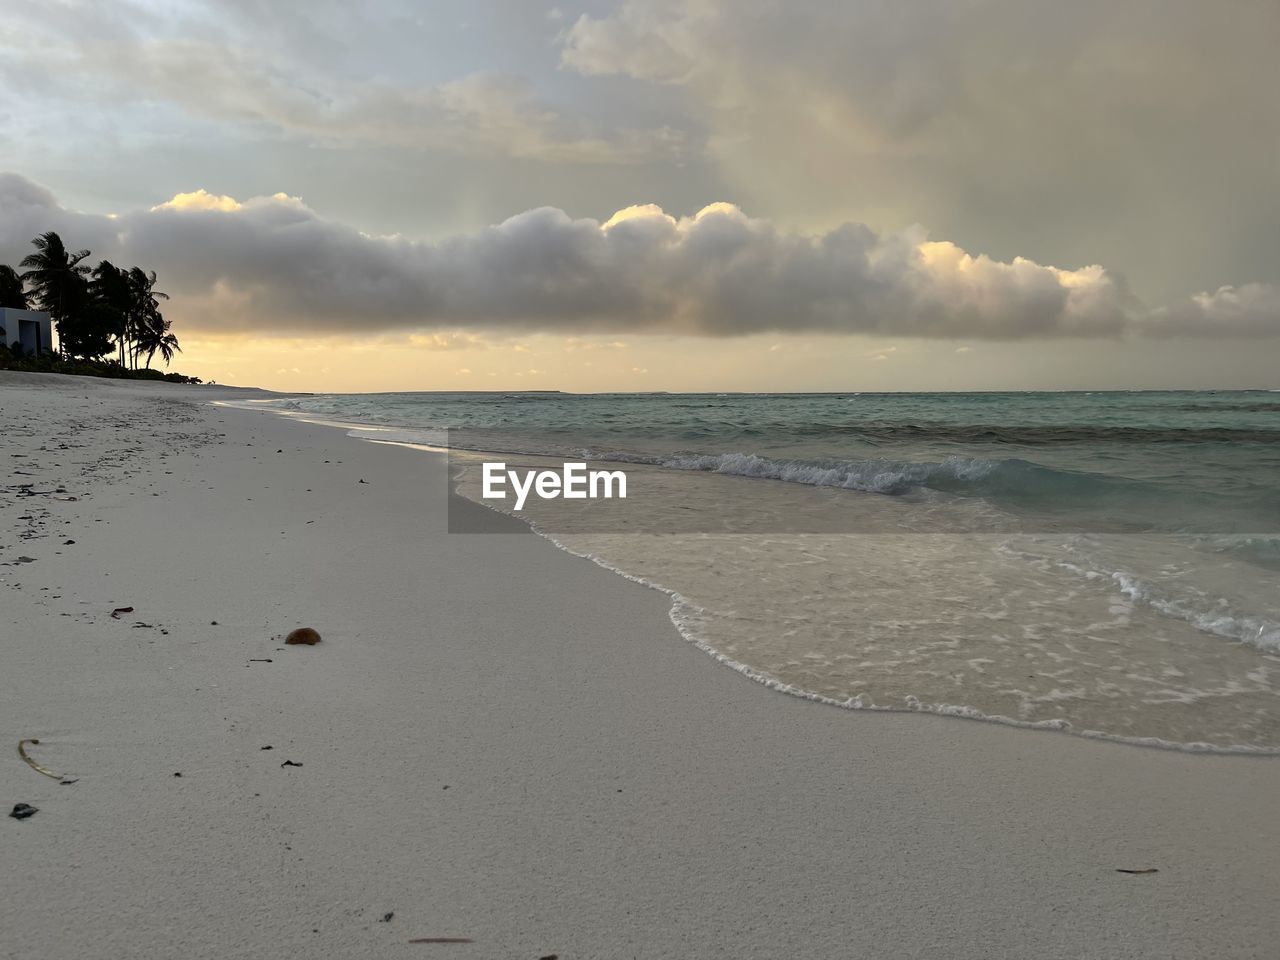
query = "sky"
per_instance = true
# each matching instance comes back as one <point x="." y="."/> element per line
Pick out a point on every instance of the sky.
<point x="695" y="195"/>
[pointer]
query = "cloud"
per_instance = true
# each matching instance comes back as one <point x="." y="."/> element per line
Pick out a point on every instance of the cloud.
<point x="456" y="340"/>
<point x="663" y="42"/>
<point x="574" y="344"/>
<point x="213" y="66"/>
<point x="1068" y="133"/>
<point x="202" y="200"/>
<point x="1251" y="310"/>
<point x="1138" y="133"/>
<point x="273" y="265"/>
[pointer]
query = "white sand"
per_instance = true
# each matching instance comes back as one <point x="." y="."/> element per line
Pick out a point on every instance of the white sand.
<point x="612" y="791"/>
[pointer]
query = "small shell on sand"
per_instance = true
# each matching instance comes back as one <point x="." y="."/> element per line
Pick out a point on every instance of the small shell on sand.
<point x="303" y="635"/>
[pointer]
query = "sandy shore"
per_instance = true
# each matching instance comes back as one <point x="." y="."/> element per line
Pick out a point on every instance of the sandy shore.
<point x="503" y="743"/>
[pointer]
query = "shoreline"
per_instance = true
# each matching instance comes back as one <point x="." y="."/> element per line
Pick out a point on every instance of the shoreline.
<point x="679" y="603"/>
<point x="777" y="685"/>
<point x="610" y="791"/>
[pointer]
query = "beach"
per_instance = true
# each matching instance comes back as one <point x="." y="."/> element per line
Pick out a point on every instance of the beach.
<point x="502" y="743"/>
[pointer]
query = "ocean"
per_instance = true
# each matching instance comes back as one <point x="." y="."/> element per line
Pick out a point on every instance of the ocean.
<point x="1099" y="563"/>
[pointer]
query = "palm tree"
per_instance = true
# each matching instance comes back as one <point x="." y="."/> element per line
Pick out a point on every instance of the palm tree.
<point x="156" y="337"/>
<point x="57" y="280"/>
<point x="110" y="287"/>
<point x="13" y="293"/>
<point x="145" y="321"/>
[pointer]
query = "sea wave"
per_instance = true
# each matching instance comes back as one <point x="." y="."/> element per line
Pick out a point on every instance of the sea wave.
<point x="869" y="476"/>
<point x="1134" y="493"/>
<point x="685" y="616"/>
<point x="1029" y="434"/>
<point x="1260" y="550"/>
<point x="1206" y="615"/>
<point x="1001" y="478"/>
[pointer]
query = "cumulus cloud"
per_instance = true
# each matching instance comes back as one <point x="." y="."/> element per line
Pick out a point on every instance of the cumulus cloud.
<point x="272" y="264"/>
<point x="202" y="200"/>
<point x="1137" y="133"/>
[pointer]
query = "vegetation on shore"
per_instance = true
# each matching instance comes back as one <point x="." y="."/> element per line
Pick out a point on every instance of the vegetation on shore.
<point x="112" y="369"/>
<point x="97" y="311"/>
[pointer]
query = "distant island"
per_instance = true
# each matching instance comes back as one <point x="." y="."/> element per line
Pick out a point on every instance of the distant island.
<point x="108" y="318"/>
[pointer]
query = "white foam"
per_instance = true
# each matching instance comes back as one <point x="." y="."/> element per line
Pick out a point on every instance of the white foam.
<point x="1255" y="631"/>
<point x="683" y="611"/>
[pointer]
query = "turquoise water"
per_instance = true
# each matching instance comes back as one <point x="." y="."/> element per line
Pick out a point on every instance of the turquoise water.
<point x="1103" y="563"/>
<point x="1168" y="461"/>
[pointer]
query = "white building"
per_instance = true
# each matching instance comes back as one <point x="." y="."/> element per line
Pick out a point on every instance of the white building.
<point x="25" y="330"/>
